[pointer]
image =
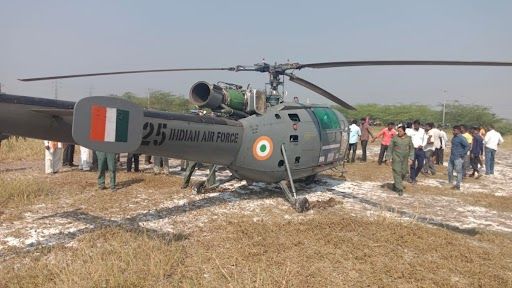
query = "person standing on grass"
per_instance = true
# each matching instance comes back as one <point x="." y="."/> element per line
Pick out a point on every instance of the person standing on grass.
<point x="433" y="143"/>
<point x="53" y="156"/>
<point x="132" y="160"/>
<point x="476" y="150"/>
<point x="492" y="140"/>
<point x="443" y="139"/>
<point x="419" y="140"/>
<point x="161" y="162"/>
<point x="85" y="164"/>
<point x="469" y="137"/>
<point x="365" y="136"/>
<point x="460" y="148"/>
<point x="401" y="153"/>
<point x="106" y="160"/>
<point x="386" y="134"/>
<point x="355" y="132"/>
<point x="69" y="152"/>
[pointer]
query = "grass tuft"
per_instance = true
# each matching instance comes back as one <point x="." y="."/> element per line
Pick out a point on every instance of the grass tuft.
<point x="22" y="192"/>
<point x="15" y="149"/>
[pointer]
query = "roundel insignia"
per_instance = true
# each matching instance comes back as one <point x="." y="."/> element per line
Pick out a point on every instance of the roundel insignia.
<point x="262" y="148"/>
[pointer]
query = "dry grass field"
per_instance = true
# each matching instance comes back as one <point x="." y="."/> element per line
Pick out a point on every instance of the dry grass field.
<point x="60" y="231"/>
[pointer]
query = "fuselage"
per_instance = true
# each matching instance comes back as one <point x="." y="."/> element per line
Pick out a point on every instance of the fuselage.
<point x="314" y="138"/>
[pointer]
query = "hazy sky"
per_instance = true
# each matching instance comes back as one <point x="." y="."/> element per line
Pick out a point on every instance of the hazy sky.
<point x="42" y="38"/>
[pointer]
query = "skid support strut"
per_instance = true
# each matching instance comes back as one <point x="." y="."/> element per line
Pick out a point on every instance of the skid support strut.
<point x="300" y="204"/>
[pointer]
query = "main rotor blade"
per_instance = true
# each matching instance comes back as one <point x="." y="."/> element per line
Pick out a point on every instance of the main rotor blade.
<point x="127" y="72"/>
<point x="401" y="62"/>
<point x="319" y="90"/>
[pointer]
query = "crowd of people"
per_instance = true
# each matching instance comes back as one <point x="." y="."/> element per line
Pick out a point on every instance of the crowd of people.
<point x="410" y="149"/>
<point x="413" y="149"/>
<point x="58" y="155"/>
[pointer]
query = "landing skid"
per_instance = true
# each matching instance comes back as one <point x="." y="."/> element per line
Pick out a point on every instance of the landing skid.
<point x="201" y="187"/>
<point x="300" y="204"/>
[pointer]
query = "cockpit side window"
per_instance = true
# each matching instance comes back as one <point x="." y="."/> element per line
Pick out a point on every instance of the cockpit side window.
<point x="327" y="118"/>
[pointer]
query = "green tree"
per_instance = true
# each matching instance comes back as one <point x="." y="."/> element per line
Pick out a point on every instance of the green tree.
<point x="160" y="100"/>
<point x="456" y="113"/>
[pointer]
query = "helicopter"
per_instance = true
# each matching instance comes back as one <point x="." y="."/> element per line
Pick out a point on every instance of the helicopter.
<point x="254" y="133"/>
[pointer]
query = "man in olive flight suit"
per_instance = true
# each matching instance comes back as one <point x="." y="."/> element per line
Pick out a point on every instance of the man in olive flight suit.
<point x="106" y="159"/>
<point x="401" y="153"/>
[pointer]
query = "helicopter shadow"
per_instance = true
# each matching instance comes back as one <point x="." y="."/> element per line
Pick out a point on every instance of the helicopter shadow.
<point x="133" y="224"/>
<point x="128" y="183"/>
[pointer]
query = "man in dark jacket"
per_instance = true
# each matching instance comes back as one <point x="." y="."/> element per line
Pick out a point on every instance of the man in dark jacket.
<point x="477" y="149"/>
<point x="460" y="148"/>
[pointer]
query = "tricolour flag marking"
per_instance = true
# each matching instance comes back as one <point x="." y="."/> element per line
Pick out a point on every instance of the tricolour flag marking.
<point x="109" y="124"/>
<point x="98" y="117"/>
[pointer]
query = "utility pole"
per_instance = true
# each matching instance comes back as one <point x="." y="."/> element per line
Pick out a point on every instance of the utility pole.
<point x="149" y="94"/>
<point x="444" y="106"/>
<point x="56" y="89"/>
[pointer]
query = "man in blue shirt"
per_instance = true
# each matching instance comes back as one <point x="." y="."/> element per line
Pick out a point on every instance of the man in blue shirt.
<point x="460" y="148"/>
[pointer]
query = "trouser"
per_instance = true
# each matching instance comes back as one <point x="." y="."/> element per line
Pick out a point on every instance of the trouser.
<point x="132" y="160"/>
<point x="183" y="165"/>
<point x="69" y="153"/>
<point x="160" y="161"/>
<point x="489" y="160"/>
<point x="352" y="147"/>
<point x="399" y="168"/>
<point x="475" y="161"/>
<point x="429" y="162"/>
<point x="417" y="164"/>
<point x="466" y="165"/>
<point x="364" y="144"/>
<point x="382" y="153"/>
<point x="439" y="156"/>
<point x="53" y="160"/>
<point x="94" y="160"/>
<point x="84" y="159"/>
<point x="106" y="160"/>
<point x="457" y="165"/>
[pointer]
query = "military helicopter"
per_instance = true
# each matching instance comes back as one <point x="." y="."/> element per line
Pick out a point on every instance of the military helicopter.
<point x="254" y="133"/>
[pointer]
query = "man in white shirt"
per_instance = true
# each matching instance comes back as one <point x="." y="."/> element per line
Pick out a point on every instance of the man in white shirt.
<point x="85" y="159"/>
<point x="491" y="141"/>
<point x="53" y="156"/>
<point x="419" y="140"/>
<point x="355" y="133"/>
<point x="433" y="143"/>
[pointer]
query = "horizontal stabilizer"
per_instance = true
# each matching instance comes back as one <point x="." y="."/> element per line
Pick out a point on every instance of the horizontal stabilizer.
<point x="108" y="124"/>
<point x="55" y="112"/>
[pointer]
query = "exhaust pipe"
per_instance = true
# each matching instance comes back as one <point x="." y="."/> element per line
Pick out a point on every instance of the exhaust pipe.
<point x="206" y="95"/>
